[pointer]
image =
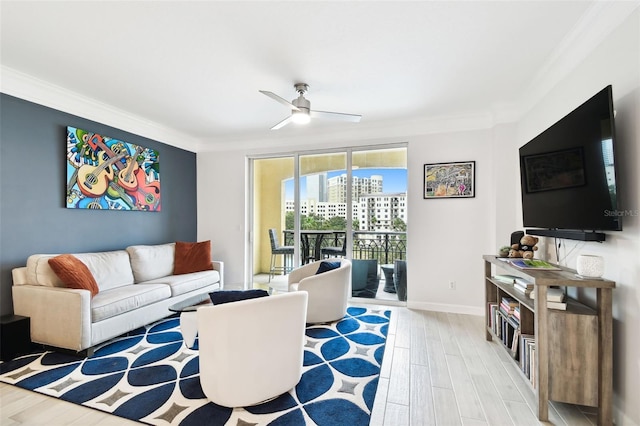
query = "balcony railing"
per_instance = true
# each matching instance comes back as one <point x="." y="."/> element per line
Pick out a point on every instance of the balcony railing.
<point x="384" y="246"/>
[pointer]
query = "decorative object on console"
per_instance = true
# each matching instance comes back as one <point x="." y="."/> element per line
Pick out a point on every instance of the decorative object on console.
<point x="590" y="266"/>
<point x="74" y="273"/>
<point x="525" y="248"/>
<point x="106" y="173"/>
<point x="504" y="251"/>
<point x="192" y="257"/>
<point x="450" y="180"/>
<point x="533" y="264"/>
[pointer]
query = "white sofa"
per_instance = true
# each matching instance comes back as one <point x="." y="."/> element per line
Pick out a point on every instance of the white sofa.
<point x="136" y="285"/>
<point x="328" y="291"/>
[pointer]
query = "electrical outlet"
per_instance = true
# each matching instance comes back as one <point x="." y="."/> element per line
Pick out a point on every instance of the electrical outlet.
<point x="452" y="285"/>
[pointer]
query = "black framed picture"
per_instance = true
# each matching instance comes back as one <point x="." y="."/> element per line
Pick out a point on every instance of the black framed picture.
<point x="450" y="180"/>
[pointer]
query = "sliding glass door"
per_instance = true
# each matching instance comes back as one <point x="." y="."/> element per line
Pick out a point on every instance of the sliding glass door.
<point x="349" y="203"/>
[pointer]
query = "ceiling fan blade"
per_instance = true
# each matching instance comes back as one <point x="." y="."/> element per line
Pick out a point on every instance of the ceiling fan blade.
<point x="279" y="99"/>
<point x="340" y="116"/>
<point x="283" y="122"/>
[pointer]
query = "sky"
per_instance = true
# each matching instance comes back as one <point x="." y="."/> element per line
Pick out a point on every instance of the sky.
<point x="393" y="180"/>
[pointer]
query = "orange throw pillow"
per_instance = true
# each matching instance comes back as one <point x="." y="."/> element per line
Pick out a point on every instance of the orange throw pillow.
<point x="192" y="257"/>
<point x="74" y="273"/>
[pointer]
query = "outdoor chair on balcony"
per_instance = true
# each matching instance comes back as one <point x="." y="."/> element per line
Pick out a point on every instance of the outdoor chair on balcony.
<point x="277" y="249"/>
<point x="339" y="251"/>
<point x="364" y="278"/>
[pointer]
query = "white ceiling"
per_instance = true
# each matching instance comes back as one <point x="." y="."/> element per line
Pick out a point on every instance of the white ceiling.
<point x="194" y="68"/>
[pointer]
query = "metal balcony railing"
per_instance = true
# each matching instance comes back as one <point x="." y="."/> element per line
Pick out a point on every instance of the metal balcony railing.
<point x="384" y="246"/>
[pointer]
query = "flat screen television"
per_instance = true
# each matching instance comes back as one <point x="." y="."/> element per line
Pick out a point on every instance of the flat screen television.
<point x="568" y="172"/>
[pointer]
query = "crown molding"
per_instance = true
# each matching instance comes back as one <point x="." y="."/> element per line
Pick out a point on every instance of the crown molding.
<point x="27" y="87"/>
<point x="598" y="22"/>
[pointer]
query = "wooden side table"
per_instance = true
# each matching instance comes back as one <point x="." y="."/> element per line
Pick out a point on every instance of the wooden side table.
<point x="15" y="336"/>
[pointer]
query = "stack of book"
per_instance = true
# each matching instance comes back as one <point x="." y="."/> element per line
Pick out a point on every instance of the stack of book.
<point x="555" y="298"/>
<point x="508" y="305"/>
<point x="523" y="286"/>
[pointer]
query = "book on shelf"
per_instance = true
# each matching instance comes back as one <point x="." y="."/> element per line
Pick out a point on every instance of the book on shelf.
<point x="507" y="305"/>
<point x="553" y="295"/>
<point x="525" y="340"/>
<point x="561" y="306"/>
<point x="505" y="278"/>
<point x="533" y="264"/>
<point x="523" y="282"/>
<point x="514" y="342"/>
<point x="522" y="289"/>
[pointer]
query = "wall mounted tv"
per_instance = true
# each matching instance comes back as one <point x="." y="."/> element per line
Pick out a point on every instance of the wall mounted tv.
<point x="568" y="174"/>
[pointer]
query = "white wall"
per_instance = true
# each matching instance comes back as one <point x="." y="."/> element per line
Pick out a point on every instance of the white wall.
<point x="617" y="62"/>
<point x="447" y="237"/>
<point x="221" y="209"/>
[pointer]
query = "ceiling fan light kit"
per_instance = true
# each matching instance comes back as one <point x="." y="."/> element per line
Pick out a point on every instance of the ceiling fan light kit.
<point x="300" y="117"/>
<point x="301" y="112"/>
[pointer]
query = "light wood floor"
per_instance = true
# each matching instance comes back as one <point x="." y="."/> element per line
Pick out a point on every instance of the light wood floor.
<point x="437" y="370"/>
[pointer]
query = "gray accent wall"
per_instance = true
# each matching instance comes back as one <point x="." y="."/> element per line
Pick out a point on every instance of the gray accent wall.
<point x="33" y="216"/>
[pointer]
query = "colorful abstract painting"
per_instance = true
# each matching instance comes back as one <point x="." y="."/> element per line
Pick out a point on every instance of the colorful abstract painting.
<point x="109" y="174"/>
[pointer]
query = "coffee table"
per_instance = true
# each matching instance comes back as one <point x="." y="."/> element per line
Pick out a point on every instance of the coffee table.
<point x="188" y="320"/>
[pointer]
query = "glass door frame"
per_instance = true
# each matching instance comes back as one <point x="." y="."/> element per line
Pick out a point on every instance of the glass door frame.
<point x="250" y="188"/>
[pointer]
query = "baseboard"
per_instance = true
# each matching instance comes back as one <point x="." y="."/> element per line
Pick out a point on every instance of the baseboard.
<point x="444" y="307"/>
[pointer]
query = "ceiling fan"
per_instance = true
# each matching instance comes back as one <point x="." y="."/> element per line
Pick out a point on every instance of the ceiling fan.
<point x="301" y="111"/>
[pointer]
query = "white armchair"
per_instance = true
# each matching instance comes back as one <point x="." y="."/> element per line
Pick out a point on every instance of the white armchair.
<point x="328" y="291"/>
<point x="251" y="350"/>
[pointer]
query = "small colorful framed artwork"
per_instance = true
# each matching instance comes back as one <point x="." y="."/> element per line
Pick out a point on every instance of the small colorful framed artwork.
<point x="450" y="180"/>
<point x="106" y="173"/>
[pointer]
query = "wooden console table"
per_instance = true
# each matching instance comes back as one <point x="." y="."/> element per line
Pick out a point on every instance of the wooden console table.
<point x="573" y="348"/>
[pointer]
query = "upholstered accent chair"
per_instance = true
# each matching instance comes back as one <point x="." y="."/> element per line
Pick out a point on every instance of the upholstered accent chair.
<point x="235" y="337"/>
<point x="328" y="291"/>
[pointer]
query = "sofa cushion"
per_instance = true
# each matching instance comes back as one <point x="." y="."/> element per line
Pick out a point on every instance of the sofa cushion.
<point x="110" y="269"/>
<point x="116" y="301"/>
<point x="73" y="273"/>
<point x="221" y="297"/>
<point x="181" y="284"/>
<point x="151" y="262"/>
<point x="39" y="271"/>
<point x="192" y="257"/>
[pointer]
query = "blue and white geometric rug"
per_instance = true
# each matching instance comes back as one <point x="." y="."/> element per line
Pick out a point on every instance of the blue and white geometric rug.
<point x="150" y="376"/>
